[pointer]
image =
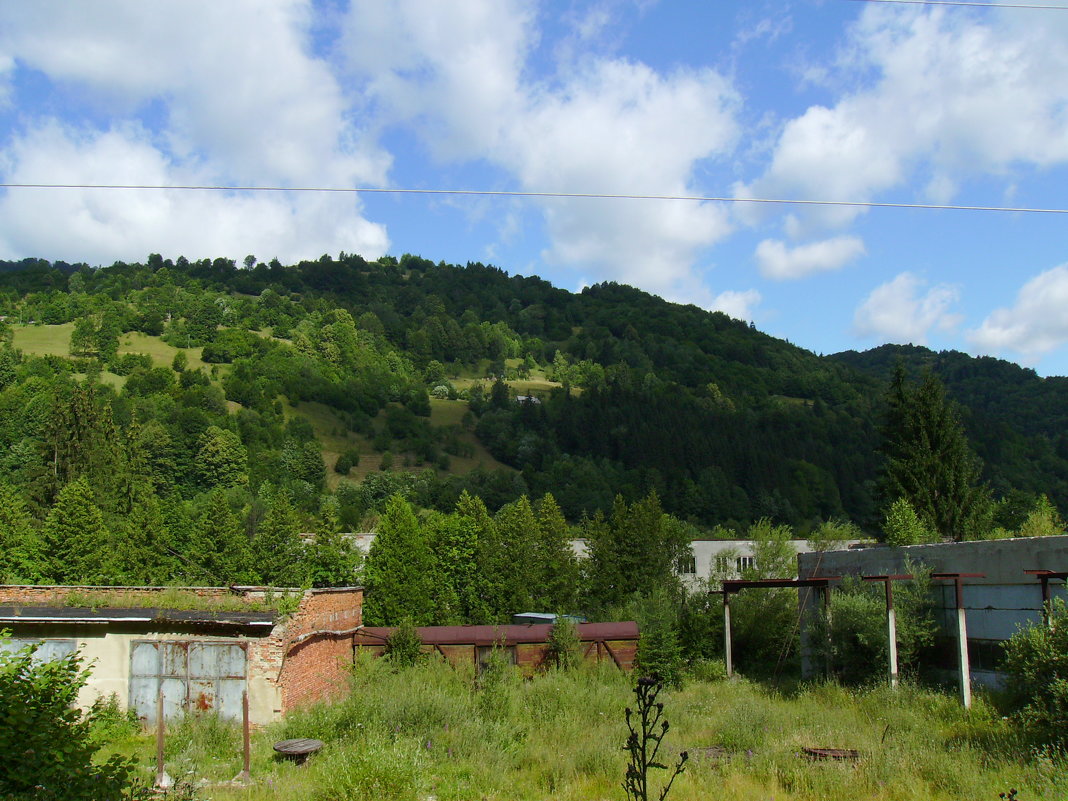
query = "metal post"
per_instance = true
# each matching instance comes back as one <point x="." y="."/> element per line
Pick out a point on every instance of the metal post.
<point x="827" y="617"/>
<point x="162" y="779"/>
<point x="727" y="655"/>
<point x="1047" y="603"/>
<point x="891" y="629"/>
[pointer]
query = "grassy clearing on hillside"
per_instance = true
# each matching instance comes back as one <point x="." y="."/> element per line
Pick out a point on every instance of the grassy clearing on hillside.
<point x="451" y="413"/>
<point x="428" y="732"/>
<point x="54" y="340"/>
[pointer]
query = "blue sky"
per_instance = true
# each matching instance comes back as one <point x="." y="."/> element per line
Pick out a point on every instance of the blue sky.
<point x="812" y="99"/>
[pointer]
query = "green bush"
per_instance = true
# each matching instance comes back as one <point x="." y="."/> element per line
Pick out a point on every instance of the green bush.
<point x="1037" y="660"/>
<point x="404" y="647"/>
<point x="565" y="647"/>
<point x="46" y="745"/>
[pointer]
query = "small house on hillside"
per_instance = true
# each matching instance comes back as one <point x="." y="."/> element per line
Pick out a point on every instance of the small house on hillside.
<point x="202" y="648"/>
<point x="525" y="646"/>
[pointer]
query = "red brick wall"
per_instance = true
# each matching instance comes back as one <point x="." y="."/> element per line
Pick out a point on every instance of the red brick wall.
<point x="317" y="646"/>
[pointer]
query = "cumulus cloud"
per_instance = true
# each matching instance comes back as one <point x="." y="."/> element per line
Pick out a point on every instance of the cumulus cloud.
<point x="241" y="101"/>
<point x="1035" y="324"/>
<point x="954" y="96"/>
<point x="100" y="226"/>
<point x="901" y="311"/>
<point x="778" y="261"/>
<point x="605" y="125"/>
<point x="737" y="304"/>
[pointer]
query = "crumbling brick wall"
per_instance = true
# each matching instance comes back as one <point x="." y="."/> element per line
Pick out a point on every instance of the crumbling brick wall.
<point x="316" y="645"/>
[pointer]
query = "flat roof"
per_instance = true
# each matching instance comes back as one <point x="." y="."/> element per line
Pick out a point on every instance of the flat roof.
<point x="24" y="615"/>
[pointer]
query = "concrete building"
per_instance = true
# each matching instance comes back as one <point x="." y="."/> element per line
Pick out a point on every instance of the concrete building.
<point x="202" y="648"/>
<point x="996" y="605"/>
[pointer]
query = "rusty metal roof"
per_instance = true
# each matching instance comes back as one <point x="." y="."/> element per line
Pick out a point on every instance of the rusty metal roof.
<point x="509" y="635"/>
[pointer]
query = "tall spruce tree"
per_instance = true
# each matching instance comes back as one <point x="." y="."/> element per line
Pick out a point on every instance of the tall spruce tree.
<point x="222" y="548"/>
<point x="928" y="461"/>
<point x="399" y="570"/>
<point x="76" y="539"/>
<point x="276" y="548"/>
<point x="558" y="580"/>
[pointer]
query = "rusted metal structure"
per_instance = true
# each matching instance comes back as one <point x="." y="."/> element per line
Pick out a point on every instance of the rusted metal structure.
<point x="1045" y="576"/>
<point x="523" y="645"/>
<point x="734" y="586"/>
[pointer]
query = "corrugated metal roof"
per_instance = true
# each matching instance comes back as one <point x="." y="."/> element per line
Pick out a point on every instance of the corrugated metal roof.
<point x="510" y="635"/>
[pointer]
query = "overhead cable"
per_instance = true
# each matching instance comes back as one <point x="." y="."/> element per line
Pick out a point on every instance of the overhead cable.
<point x="963" y="3"/>
<point x="555" y="195"/>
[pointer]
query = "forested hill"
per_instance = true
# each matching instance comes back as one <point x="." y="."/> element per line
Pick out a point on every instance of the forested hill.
<point x="391" y="365"/>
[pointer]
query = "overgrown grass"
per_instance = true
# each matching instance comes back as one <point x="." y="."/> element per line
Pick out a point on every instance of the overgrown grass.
<point x="175" y="598"/>
<point x="431" y="730"/>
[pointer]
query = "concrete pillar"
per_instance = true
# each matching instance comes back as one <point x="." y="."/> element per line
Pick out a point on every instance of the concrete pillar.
<point x="965" y="668"/>
<point x="727" y="655"/>
<point x="891" y="631"/>
<point x="830" y="639"/>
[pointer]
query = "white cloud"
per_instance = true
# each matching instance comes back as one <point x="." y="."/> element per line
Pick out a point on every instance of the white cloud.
<point x="240" y="101"/>
<point x="1036" y="324"/>
<point x="737" y="304"/>
<point x="779" y="262"/>
<point x="900" y="311"/>
<point x="606" y="125"/>
<point x="954" y="97"/>
<point x="100" y="226"/>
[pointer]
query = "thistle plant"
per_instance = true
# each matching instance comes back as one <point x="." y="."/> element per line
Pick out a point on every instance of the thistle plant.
<point x="648" y="727"/>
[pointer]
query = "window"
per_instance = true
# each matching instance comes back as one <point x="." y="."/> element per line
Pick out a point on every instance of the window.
<point x="687" y="565"/>
<point x="49" y="650"/>
<point x="484" y="651"/>
<point x="745" y="563"/>
<point x="192" y="676"/>
<point x="724" y="564"/>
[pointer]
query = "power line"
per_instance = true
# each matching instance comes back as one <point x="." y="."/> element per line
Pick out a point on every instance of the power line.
<point x="559" y="195"/>
<point x="961" y="3"/>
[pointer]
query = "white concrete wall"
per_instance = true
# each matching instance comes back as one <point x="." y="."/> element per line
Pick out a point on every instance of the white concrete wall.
<point x="996" y="606"/>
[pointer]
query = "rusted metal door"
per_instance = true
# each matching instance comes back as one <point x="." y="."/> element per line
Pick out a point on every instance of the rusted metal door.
<point x="193" y="676"/>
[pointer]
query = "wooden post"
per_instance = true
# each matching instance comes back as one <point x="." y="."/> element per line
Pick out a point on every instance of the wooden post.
<point x="727" y="655"/>
<point x="244" y="776"/>
<point x="891" y="632"/>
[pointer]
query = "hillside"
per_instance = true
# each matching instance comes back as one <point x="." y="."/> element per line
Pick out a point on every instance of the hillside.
<point x="394" y="362"/>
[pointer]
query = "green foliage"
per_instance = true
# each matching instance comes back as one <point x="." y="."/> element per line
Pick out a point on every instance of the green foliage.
<point x="1043" y="520"/>
<point x="398" y="574"/>
<point x="48" y="748"/>
<point x="276" y="546"/>
<point x="222" y="461"/>
<point x="635" y="551"/>
<point x="21" y="547"/>
<point x="1036" y="659"/>
<point x="404" y="646"/>
<point x="565" y="647"/>
<point x="76" y="538"/>
<point x="648" y="727"/>
<point x="659" y="651"/>
<point x="929" y="462"/>
<point x="902" y="526"/>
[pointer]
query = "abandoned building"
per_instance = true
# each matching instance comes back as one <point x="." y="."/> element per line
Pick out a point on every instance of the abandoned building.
<point x="200" y="647"/>
<point x="525" y="646"/>
<point x="1001" y="586"/>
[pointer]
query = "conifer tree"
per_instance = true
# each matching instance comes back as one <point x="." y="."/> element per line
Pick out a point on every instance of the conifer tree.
<point x="222" y="549"/>
<point x="21" y="548"/>
<point x="928" y="461"/>
<point x="276" y="548"/>
<point x="558" y="582"/>
<point x="516" y="568"/>
<point x="399" y="570"/>
<point x="479" y="531"/>
<point x="76" y="540"/>
<point x="142" y="558"/>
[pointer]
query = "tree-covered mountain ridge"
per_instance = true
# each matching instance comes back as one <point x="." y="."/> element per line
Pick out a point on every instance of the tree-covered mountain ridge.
<point x="725" y="423"/>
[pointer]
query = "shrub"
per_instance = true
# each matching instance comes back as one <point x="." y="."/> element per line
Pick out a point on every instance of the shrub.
<point x="47" y="746"/>
<point x="565" y="648"/>
<point x="1037" y="660"/>
<point x="404" y="647"/>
